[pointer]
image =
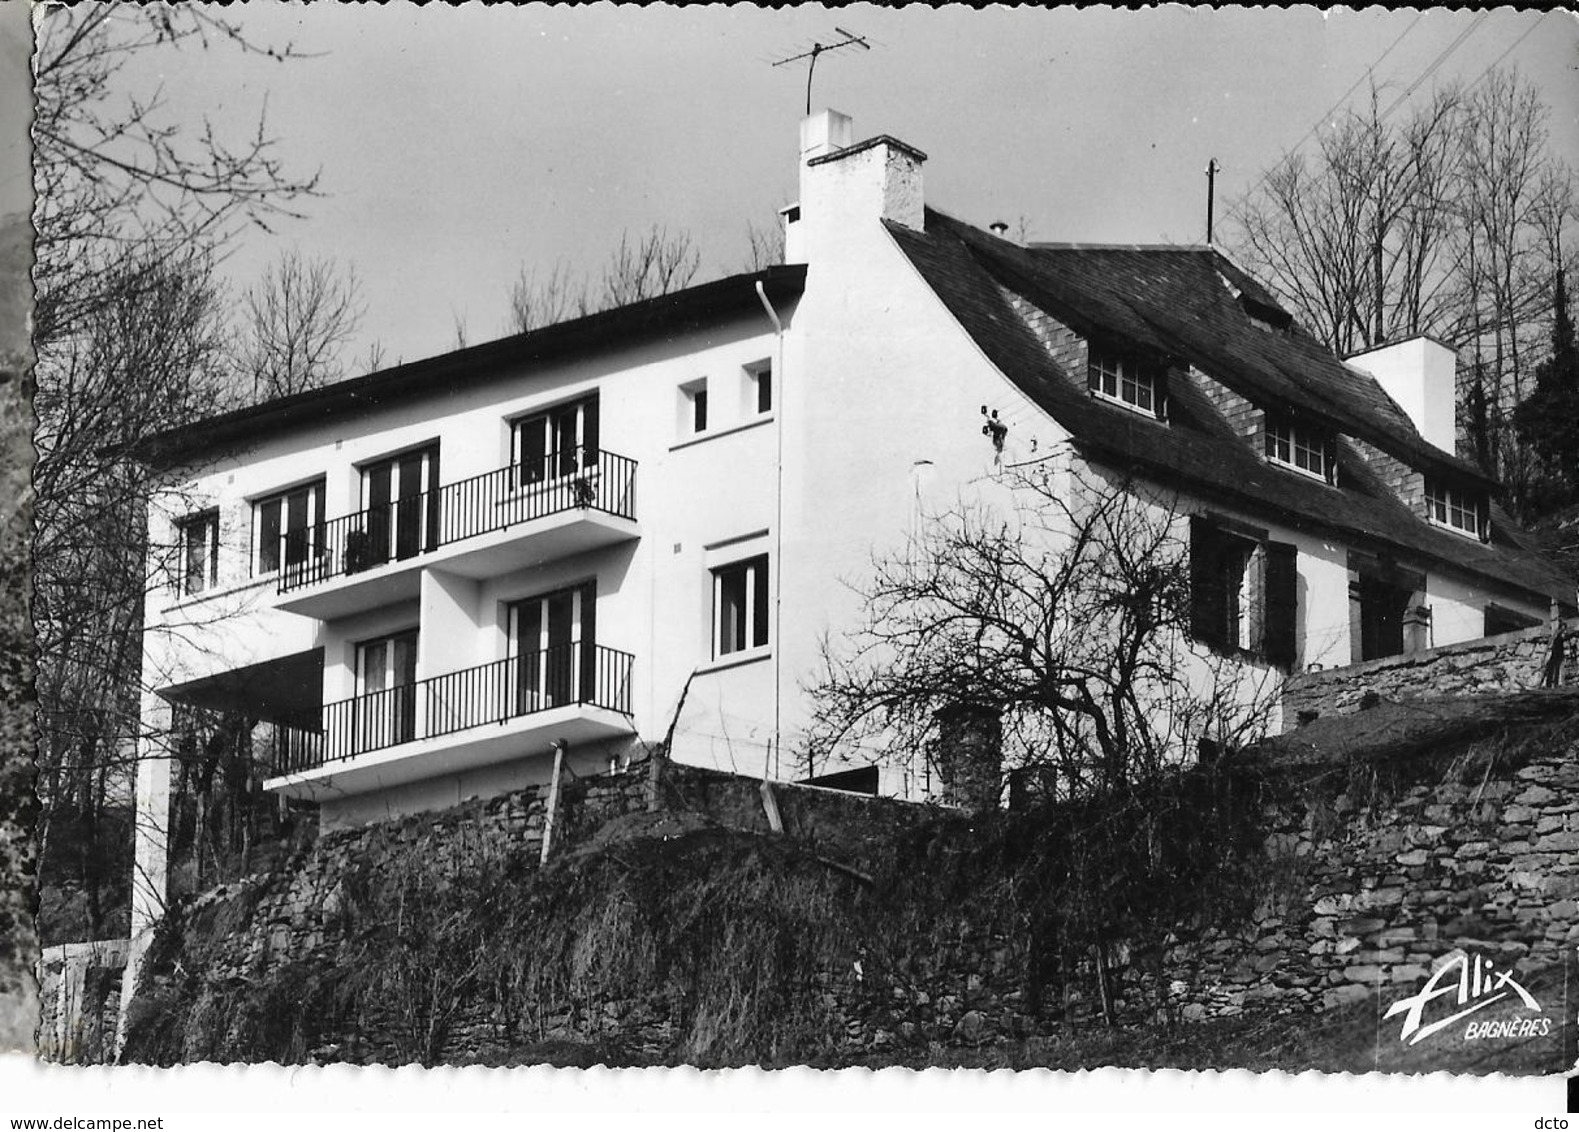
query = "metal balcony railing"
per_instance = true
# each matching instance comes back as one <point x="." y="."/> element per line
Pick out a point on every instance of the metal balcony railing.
<point x="583" y="478"/>
<point x="442" y="705"/>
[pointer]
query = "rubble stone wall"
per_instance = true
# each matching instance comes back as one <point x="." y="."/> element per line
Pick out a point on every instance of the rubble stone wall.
<point x="1366" y="884"/>
<point x="1506" y="663"/>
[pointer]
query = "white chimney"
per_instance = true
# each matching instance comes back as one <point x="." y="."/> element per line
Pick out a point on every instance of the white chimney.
<point x="824" y="132"/>
<point x="848" y="188"/>
<point x="1421" y="375"/>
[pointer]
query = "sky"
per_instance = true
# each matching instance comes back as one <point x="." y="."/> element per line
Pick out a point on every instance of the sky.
<point x="458" y="144"/>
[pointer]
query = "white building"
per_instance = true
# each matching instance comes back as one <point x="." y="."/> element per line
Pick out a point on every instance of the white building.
<point x="587" y="535"/>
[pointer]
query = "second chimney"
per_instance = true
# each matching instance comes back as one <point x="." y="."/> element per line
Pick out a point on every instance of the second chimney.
<point x="1421" y="375"/>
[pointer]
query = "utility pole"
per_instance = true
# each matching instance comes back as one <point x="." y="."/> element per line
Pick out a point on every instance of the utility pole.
<point x="1212" y="169"/>
<point x="850" y="40"/>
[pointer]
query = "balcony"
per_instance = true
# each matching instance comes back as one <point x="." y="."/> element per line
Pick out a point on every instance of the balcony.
<point x="456" y="722"/>
<point x="555" y="505"/>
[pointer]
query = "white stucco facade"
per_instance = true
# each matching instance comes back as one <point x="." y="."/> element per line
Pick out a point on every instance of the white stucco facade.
<point x="874" y="416"/>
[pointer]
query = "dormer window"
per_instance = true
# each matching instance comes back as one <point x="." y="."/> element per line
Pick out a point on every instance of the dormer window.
<point x="1126" y="382"/>
<point x="1307" y="450"/>
<point x="1458" y="509"/>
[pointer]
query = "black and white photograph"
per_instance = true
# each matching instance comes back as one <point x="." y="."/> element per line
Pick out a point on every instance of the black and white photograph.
<point x="608" y="541"/>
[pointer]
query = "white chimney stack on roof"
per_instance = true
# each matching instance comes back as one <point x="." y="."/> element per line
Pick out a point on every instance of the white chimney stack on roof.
<point x="847" y="189"/>
<point x="823" y="133"/>
<point x="1420" y="374"/>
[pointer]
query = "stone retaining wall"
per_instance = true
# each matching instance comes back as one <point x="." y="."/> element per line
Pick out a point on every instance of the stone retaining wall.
<point x="1371" y="875"/>
<point x="1507" y="663"/>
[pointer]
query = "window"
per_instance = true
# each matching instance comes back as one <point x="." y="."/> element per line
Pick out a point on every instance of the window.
<point x="1124" y="381"/>
<point x="760" y="386"/>
<point x="1243" y="591"/>
<point x="199" y="538"/>
<point x="1302" y="448"/>
<point x="1387" y="611"/>
<point x="1458" y="509"/>
<point x="288" y="528"/>
<point x="400" y="509"/>
<point x="386" y="702"/>
<point x="698" y="399"/>
<point x="553" y="640"/>
<point x="740" y="606"/>
<point x="560" y="441"/>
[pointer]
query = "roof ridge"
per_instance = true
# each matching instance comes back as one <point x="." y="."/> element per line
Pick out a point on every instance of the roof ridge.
<point x="1063" y="245"/>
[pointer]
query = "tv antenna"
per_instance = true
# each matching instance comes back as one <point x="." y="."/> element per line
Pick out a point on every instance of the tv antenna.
<point x="850" y="40"/>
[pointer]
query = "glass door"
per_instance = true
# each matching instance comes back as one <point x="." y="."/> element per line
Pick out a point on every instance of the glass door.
<point x="386" y="704"/>
<point x="400" y="502"/>
<point x="557" y="443"/>
<point x="551" y="638"/>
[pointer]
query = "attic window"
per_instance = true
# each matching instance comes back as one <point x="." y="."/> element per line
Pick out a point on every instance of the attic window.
<point x="1124" y="381"/>
<point x="1302" y="448"/>
<point x="1458" y="509"/>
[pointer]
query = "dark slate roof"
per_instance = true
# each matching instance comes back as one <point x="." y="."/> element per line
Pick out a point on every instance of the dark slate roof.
<point x="1170" y="303"/>
<point x="656" y="318"/>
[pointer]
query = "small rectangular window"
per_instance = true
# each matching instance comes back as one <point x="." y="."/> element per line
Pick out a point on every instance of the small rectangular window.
<point x="1124" y="381"/>
<point x="692" y="409"/>
<point x="740" y="606"/>
<point x="199" y="537"/>
<point x="1458" y="509"/>
<point x="762" y="379"/>
<point x="1302" y="448"/>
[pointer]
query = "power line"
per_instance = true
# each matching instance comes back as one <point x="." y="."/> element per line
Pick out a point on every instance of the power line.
<point x="1370" y="70"/>
<point x="1508" y="52"/>
<point x="1435" y="63"/>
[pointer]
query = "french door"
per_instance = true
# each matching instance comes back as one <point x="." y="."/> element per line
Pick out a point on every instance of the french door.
<point x="386" y="703"/>
<point x="400" y="498"/>
<point x="552" y="639"/>
<point x="559" y="442"/>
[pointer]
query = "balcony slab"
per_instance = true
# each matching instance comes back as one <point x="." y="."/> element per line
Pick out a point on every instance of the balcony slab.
<point x="423" y="759"/>
<point x="523" y="545"/>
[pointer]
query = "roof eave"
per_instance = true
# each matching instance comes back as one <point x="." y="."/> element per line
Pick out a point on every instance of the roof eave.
<point x="589" y="334"/>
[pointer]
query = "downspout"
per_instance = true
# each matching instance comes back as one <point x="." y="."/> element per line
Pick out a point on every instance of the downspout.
<point x="778" y="521"/>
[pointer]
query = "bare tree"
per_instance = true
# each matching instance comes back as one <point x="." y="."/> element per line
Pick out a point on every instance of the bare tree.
<point x="135" y="201"/>
<point x="765" y="246"/>
<point x="535" y="303"/>
<point x="114" y="169"/>
<point x="299" y="317"/>
<point x="147" y="356"/>
<point x="1061" y="618"/>
<point x="655" y="265"/>
<point x="1448" y="223"/>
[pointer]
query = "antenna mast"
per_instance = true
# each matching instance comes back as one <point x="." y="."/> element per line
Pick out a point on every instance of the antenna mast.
<point x="850" y="40"/>
<point x="1212" y="169"/>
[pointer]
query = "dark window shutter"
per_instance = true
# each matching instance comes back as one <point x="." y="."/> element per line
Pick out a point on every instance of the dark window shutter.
<point x="1160" y="394"/>
<point x="1208" y="611"/>
<point x="1282" y="604"/>
<point x="1329" y="458"/>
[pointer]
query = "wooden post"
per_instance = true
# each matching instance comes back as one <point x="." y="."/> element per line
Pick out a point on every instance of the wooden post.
<point x="553" y="801"/>
<point x="770" y="807"/>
